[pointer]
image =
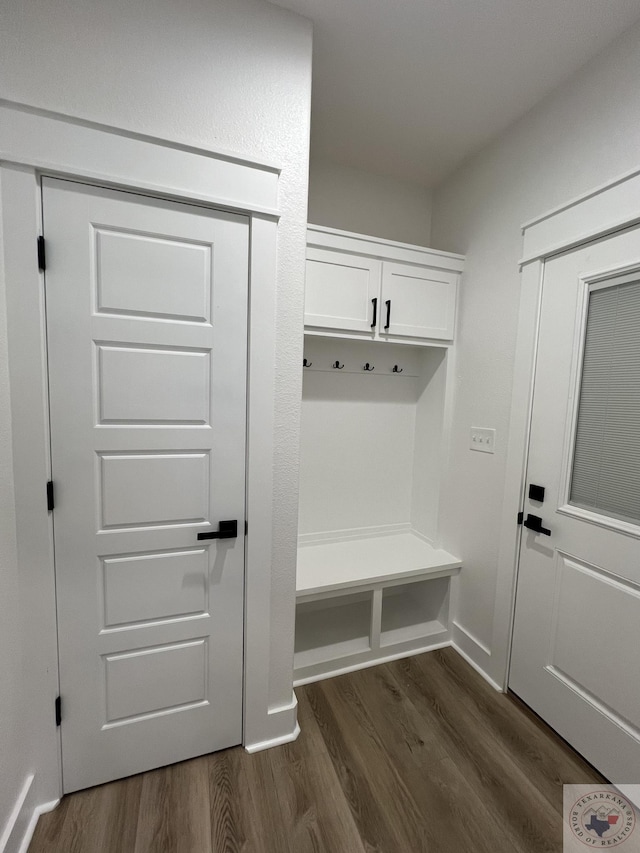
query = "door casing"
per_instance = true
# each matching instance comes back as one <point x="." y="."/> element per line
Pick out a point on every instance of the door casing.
<point x="34" y="143"/>
<point x="607" y="209"/>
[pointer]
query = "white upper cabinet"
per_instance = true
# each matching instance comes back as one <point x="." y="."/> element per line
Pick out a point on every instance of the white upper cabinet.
<point x="364" y="287"/>
<point x="341" y="291"/>
<point x="417" y="302"/>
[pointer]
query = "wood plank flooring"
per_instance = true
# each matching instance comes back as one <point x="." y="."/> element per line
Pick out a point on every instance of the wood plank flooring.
<point x="416" y="756"/>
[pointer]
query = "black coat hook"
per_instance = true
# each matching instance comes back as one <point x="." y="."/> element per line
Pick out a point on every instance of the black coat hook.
<point x="368" y="367"/>
<point x="337" y="365"/>
<point x="306" y="363"/>
<point x="397" y="369"/>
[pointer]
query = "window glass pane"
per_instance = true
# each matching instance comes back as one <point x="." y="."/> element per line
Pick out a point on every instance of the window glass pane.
<point x="606" y="464"/>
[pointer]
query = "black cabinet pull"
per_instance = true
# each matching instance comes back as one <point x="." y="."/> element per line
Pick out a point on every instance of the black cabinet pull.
<point x="226" y="530"/>
<point x="388" y="304"/>
<point x="534" y="522"/>
<point x="374" y="302"/>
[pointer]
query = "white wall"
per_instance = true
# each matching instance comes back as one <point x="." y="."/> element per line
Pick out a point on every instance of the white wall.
<point x="584" y="134"/>
<point x="357" y="437"/>
<point x="220" y="74"/>
<point x="378" y="206"/>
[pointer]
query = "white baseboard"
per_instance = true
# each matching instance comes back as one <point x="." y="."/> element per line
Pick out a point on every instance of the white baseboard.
<point x="476" y="654"/>
<point x="281" y="726"/>
<point x="276" y="741"/>
<point x="39" y="810"/>
<point x="24" y="816"/>
<point x="15" y="821"/>
<point x="382" y="658"/>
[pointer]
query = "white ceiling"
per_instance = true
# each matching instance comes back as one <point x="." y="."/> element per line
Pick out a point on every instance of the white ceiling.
<point x="409" y="88"/>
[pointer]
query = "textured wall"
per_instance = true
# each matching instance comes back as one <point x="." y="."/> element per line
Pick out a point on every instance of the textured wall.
<point x="352" y="200"/>
<point x="222" y="74"/>
<point x="583" y="135"/>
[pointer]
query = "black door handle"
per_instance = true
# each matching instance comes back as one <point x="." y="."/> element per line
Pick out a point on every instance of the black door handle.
<point x="374" y="302"/>
<point x="534" y="522"/>
<point x="226" y="530"/>
<point x="388" y="304"/>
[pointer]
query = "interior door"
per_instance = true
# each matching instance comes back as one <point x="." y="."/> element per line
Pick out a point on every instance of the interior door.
<point x="147" y="339"/>
<point x="577" y="620"/>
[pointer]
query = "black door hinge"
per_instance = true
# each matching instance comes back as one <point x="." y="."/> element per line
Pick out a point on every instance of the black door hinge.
<point x="50" y="501"/>
<point x="42" y="258"/>
<point x="520" y="517"/>
<point x="246" y="527"/>
<point x="58" y="710"/>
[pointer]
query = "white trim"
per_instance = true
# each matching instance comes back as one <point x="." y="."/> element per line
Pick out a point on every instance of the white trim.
<point x="577" y="200"/>
<point x="280" y="727"/>
<point x="21" y="221"/>
<point x="307" y="539"/>
<point x="45" y="808"/>
<point x="456" y="626"/>
<point x="607" y="208"/>
<point x="518" y="443"/>
<point x="33" y="142"/>
<point x="276" y="741"/>
<point x="397" y="339"/>
<point x="217" y="153"/>
<point x="354" y="667"/>
<point x="629" y="528"/>
<point x="64" y="147"/>
<point x="346" y="241"/>
<point x="475" y="665"/>
<point x="16" y="817"/>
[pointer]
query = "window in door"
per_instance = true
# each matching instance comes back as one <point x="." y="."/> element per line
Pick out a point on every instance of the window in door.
<point x="605" y="476"/>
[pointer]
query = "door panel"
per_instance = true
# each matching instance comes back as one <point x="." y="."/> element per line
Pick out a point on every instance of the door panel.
<point x="417" y="302"/>
<point x="163" y="386"/>
<point x="146" y="313"/>
<point x="339" y="291"/>
<point x="576" y="633"/>
<point x="136" y="274"/>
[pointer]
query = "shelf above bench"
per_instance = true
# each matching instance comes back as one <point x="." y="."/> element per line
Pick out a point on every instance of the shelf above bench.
<point x="326" y="567"/>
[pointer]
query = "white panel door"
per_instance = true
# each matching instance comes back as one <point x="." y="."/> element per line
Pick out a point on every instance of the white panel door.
<point x="577" y="621"/>
<point x="147" y="337"/>
<point x="417" y="302"/>
<point x="341" y="291"/>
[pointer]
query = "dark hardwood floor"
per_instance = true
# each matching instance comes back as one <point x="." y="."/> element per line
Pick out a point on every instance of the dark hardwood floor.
<point x="416" y="755"/>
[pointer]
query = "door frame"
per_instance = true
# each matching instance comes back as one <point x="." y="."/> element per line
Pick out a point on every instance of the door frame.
<point x="35" y="143"/>
<point x="611" y="207"/>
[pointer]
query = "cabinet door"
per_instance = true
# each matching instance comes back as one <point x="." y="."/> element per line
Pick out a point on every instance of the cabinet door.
<point x="417" y="302"/>
<point x="340" y="290"/>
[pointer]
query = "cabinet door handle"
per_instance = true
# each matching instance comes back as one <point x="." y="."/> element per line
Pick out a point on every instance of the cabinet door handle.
<point x="374" y="302"/>
<point x="388" y="304"/>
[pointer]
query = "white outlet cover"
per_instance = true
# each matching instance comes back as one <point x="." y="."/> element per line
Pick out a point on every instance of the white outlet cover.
<point x="483" y="440"/>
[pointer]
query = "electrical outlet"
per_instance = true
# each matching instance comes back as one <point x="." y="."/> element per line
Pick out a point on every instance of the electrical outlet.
<point x="483" y="440"/>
